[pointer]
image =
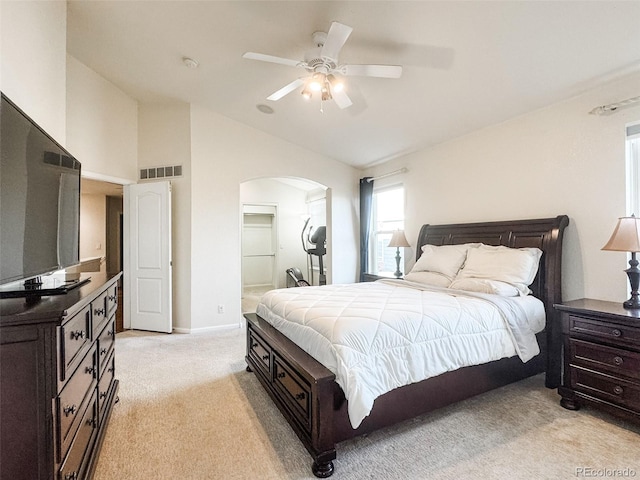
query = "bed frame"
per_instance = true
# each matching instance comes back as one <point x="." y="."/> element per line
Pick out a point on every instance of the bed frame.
<point x="315" y="406"/>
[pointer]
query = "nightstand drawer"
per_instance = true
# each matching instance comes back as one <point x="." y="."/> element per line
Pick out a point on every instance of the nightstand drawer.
<point x="606" y="387"/>
<point x="617" y="334"/>
<point x="602" y="357"/>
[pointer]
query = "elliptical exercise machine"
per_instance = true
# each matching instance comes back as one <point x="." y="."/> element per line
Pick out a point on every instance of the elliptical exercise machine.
<point x="315" y="246"/>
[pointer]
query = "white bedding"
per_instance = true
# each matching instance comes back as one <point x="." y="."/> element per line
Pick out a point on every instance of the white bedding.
<point x="382" y="335"/>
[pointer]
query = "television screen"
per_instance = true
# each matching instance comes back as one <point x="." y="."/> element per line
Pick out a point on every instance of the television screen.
<point x="39" y="199"/>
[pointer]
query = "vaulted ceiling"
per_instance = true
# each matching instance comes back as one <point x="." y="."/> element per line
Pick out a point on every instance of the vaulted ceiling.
<point x="466" y="65"/>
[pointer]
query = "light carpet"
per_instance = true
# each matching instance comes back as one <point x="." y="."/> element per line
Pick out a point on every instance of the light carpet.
<point x="189" y="410"/>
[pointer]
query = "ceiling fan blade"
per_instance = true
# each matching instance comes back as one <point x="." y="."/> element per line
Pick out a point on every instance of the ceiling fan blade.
<point x="383" y="71"/>
<point x="337" y="36"/>
<point x="286" y="89"/>
<point x="271" y="59"/>
<point x="341" y="98"/>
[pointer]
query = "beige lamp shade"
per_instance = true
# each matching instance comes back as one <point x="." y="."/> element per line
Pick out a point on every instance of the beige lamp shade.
<point x="398" y="239"/>
<point x="626" y="236"/>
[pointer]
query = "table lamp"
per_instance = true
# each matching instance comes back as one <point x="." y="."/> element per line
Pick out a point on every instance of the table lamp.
<point x="626" y="238"/>
<point x="398" y="240"/>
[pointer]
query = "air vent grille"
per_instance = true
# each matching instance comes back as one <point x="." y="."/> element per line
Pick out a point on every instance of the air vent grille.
<point x="154" y="173"/>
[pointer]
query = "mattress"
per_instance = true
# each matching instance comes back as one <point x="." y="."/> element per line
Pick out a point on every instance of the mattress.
<point x="381" y="335"/>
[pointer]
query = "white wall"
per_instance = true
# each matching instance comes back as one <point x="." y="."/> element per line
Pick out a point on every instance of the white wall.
<point x="164" y="138"/>
<point x="291" y="205"/>
<point x="224" y="154"/>
<point x="33" y="45"/>
<point x="557" y="160"/>
<point x="102" y="125"/>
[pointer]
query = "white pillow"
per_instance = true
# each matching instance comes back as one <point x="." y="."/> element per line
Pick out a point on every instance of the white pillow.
<point x="516" y="266"/>
<point x="444" y="259"/>
<point x="483" y="285"/>
<point x="428" y="278"/>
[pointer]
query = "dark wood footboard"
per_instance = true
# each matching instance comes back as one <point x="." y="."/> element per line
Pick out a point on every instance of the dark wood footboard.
<point x="301" y="387"/>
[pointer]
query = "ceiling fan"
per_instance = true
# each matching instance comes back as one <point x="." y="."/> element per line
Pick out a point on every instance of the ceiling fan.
<point x="325" y="72"/>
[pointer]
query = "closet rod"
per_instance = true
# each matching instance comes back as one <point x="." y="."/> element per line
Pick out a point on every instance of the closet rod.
<point x="395" y="172"/>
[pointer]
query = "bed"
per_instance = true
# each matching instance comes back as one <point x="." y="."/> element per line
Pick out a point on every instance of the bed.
<point x="315" y="405"/>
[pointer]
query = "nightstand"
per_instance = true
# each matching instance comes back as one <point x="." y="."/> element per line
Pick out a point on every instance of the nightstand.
<point x="601" y="348"/>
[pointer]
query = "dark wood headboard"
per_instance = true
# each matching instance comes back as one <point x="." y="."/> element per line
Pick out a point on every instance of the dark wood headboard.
<point x="545" y="234"/>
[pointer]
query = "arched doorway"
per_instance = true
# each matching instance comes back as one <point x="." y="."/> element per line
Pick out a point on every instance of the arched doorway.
<point x="280" y="218"/>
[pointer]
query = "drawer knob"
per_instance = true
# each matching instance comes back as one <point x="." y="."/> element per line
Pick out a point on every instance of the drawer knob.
<point x="90" y="370"/>
<point x="618" y="360"/>
<point x="103" y="351"/>
<point x="78" y="334"/>
<point x="616" y="333"/>
<point x="99" y="311"/>
<point x="265" y="357"/>
<point x="92" y="422"/>
<point x="254" y="345"/>
<point x="111" y="369"/>
<point x="281" y="374"/>
<point x="103" y="395"/>
<point x="111" y="333"/>
<point x="112" y="298"/>
<point x="71" y="476"/>
<point x="618" y="390"/>
<point x="300" y="396"/>
<point x="70" y="410"/>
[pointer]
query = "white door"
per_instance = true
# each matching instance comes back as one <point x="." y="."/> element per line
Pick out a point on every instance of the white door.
<point x="147" y="272"/>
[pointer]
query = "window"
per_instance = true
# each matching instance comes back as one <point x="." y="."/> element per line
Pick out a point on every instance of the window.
<point x="633" y="169"/>
<point x="387" y="216"/>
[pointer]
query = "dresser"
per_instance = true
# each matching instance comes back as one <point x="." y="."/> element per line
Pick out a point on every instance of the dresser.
<point x="57" y="381"/>
<point x="601" y="349"/>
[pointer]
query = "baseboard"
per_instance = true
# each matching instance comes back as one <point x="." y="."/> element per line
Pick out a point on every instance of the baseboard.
<point x="217" y="328"/>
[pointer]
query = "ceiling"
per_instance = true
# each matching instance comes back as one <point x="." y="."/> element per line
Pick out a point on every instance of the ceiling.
<point x="467" y="65"/>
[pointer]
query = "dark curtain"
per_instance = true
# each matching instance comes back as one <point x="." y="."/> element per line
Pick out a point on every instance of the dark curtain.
<point x="366" y="200"/>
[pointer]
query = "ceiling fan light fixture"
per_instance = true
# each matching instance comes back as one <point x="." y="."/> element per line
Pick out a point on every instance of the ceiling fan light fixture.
<point x="317" y="82"/>
<point x="306" y="93"/>
<point x="336" y="84"/>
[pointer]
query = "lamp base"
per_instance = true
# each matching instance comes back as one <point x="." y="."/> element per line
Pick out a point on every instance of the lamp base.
<point x="632" y="304"/>
<point x="398" y="273"/>
<point x="633" y="272"/>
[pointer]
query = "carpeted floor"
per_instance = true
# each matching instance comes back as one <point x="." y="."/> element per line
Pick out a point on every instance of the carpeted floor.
<point x="188" y="410"/>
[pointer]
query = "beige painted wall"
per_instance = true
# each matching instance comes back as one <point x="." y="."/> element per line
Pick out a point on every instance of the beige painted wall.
<point x="164" y="138"/>
<point x="225" y="154"/>
<point x="93" y="226"/>
<point x="33" y="46"/>
<point x="557" y="160"/>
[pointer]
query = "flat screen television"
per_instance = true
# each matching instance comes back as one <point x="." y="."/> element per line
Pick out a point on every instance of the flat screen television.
<point x="39" y="207"/>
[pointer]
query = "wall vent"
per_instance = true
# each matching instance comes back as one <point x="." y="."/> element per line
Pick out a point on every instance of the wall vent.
<point x="154" y="173"/>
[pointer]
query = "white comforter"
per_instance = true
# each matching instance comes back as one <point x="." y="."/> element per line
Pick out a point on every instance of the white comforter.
<point x="379" y="336"/>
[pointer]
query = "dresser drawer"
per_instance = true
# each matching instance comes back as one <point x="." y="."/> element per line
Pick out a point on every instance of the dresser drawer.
<point x="70" y="401"/>
<point x="609" y="359"/>
<point x="112" y="299"/>
<point x="260" y="352"/>
<point x="104" y="385"/>
<point x="295" y="391"/>
<point x="105" y="343"/>
<point x="74" y="464"/>
<point x="75" y="337"/>
<point x="99" y="312"/>
<point x="611" y="332"/>
<point x="606" y="387"/>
